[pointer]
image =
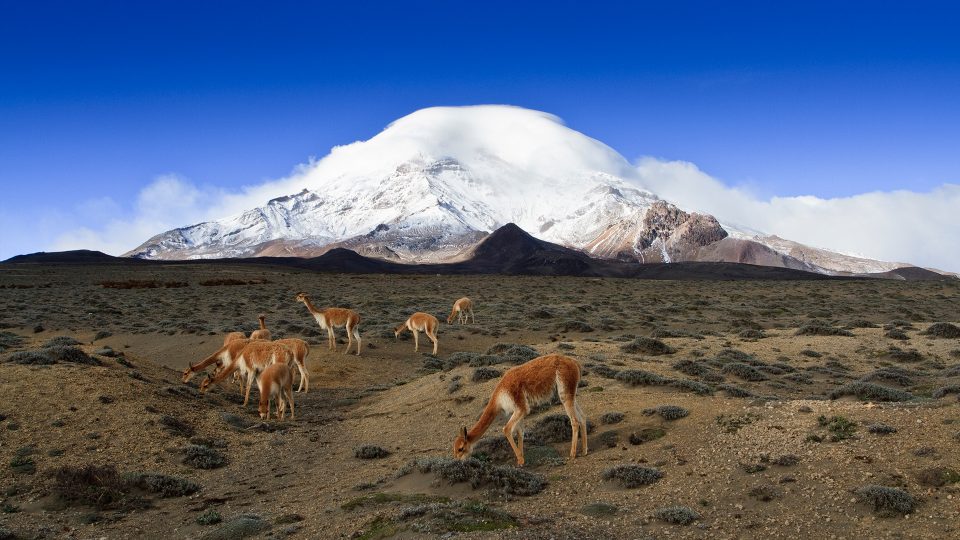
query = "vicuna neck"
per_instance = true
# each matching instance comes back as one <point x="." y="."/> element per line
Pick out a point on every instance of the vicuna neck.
<point x="487" y="417"/>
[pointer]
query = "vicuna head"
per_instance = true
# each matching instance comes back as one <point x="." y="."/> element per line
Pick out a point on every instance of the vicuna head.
<point x="462" y="445"/>
<point x="187" y="373"/>
<point x="264" y="408"/>
<point x="302" y="297"/>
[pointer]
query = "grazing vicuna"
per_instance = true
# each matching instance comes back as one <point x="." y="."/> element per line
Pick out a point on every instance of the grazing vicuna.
<point x="521" y="388"/>
<point x="331" y="318"/>
<point x="252" y="360"/>
<point x="299" y="350"/>
<point x="224" y="356"/>
<point x="276" y="381"/>
<point x="262" y="333"/>
<point x="461" y="309"/>
<point x="420" y="322"/>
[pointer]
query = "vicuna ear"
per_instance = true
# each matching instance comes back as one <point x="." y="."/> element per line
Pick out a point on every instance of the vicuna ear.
<point x="463" y="432"/>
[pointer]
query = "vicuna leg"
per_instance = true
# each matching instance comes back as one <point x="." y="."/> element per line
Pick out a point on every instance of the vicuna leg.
<point x="570" y="407"/>
<point x="416" y="341"/>
<point x="289" y="390"/>
<point x="250" y="378"/>
<point x="508" y="432"/>
<point x="304" y="377"/>
<point x="356" y="334"/>
<point x="583" y="422"/>
<point x="433" y="338"/>
<point x="348" y="328"/>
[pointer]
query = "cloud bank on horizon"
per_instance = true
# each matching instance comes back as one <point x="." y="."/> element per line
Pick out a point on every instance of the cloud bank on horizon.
<point x="904" y="226"/>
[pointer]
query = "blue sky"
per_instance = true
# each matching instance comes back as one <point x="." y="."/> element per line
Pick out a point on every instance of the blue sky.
<point x="831" y="99"/>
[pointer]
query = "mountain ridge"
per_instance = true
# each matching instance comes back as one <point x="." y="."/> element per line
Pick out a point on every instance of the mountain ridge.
<point x="434" y="183"/>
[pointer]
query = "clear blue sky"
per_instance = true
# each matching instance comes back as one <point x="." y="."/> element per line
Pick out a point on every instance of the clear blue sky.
<point x="830" y="99"/>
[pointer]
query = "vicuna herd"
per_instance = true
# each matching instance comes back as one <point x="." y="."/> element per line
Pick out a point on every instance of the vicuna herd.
<point x="268" y="362"/>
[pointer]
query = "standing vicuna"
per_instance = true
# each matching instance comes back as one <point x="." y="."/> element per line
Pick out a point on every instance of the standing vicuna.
<point x="252" y="360"/>
<point x="461" y="309"/>
<point x="420" y="322"/>
<point x="276" y="380"/>
<point x="262" y="333"/>
<point x="521" y="388"/>
<point x="299" y="350"/>
<point x="331" y="318"/>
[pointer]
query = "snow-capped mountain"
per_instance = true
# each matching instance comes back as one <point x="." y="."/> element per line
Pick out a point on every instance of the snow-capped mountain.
<point x="434" y="183"/>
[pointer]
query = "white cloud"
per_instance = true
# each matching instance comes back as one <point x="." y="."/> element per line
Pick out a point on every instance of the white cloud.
<point x="900" y="226"/>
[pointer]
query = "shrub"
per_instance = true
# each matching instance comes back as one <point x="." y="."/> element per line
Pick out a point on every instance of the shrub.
<point x="818" y="328"/>
<point x="942" y="330"/>
<point x="574" y="326"/>
<point x="905" y="356"/>
<point x="101" y="487"/>
<point x="477" y="473"/>
<point x="889" y="374"/>
<point x="30" y="358"/>
<point x="871" y="391"/>
<point x="691" y="386"/>
<point x="750" y="333"/>
<point x="765" y="492"/>
<point x="677" y="515"/>
<point x="611" y="418"/>
<point x="886" y="500"/>
<point x="73" y="355"/>
<point x="646" y="435"/>
<point x="735" y="391"/>
<point x="637" y="377"/>
<point x="896" y="333"/>
<point x="938" y="476"/>
<point x="944" y="390"/>
<point x="733" y="355"/>
<point x="485" y="374"/>
<point x="881" y="429"/>
<point x="454" y="385"/>
<point x="177" y="427"/>
<point x="660" y="333"/>
<point x="8" y="340"/>
<point x="163" y="485"/>
<point x="61" y="341"/>
<point x="786" y="460"/>
<point x="667" y="412"/>
<point x="810" y="353"/>
<point x="632" y="476"/>
<point x="745" y="372"/>
<point x="210" y="517"/>
<point x="692" y="368"/>
<point x="840" y="427"/>
<point x="554" y="428"/>
<point x="605" y="371"/>
<point x="494" y="449"/>
<point x="202" y="457"/>
<point x="370" y="451"/>
<point x="648" y="346"/>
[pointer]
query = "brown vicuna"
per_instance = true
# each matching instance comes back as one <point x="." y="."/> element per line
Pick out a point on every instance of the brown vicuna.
<point x="420" y="322"/>
<point x="299" y="350"/>
<point x="262" y="333"/>
<point x="252" y="360"/>
<point x="461" y="309"/>
<point x="276" y="381"/>
<point x="224" y="356"/>
<point x="521" y="388"/>
<point x="331" y="318"/>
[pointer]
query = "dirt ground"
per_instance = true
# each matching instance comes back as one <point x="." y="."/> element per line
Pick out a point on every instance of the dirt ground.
<point x="781" y="433"/>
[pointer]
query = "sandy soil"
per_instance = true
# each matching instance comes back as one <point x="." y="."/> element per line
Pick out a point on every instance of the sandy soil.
<point x="724" y="460"/>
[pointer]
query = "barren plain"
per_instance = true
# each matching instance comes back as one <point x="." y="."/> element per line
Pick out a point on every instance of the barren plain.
<point x="719" y="409"/>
